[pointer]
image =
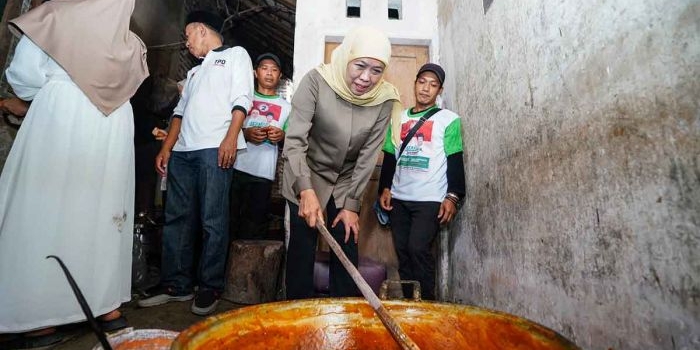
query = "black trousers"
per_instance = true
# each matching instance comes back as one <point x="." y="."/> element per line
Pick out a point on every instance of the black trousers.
<point x="414" y="226"/>
<point x="301" y="255"/>
<point x="250" y="206"/>
<point x="146" y="176"/>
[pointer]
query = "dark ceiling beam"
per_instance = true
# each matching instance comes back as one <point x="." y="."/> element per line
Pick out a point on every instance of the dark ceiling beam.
<point x="273" y="31"/>
<point x="249" y="10"/>
<point x="284" y="12"/>
<point x="264" y="37"/>
<point x="263" y="22"/>
<point x="292" y="4"/>
<point x="264" y="26"/>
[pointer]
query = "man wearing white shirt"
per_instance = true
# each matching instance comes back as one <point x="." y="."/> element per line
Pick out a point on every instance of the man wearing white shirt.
<point x="255" y="167"/>
<point x="422" y="185"/>
<point x="199" y="153"/>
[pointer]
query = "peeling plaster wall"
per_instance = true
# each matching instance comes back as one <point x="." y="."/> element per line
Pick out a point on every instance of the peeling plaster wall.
<point x="582" y="138"/>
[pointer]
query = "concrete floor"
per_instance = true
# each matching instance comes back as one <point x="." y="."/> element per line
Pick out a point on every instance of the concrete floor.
<point x="173" y="316"/>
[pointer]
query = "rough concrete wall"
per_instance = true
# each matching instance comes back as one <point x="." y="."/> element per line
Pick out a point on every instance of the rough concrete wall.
<point x="582" y="137"/>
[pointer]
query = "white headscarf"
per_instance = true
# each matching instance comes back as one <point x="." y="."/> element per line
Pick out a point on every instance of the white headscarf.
<point x="364" y="42"/>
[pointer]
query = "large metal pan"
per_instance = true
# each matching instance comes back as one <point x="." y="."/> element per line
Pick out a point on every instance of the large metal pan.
<point x="350" y="323"/>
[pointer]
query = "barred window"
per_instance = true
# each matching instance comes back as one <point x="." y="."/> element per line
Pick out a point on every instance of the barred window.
<point x="395" y="9"/>
<point x="353" y="8"/>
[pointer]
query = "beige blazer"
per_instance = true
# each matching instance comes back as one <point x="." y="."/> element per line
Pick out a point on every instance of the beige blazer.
<point x="331" y="145"/>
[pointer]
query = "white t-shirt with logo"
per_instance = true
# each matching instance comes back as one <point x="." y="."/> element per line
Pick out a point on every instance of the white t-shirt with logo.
<point x="222" y="82"/>
<point x="261" y="159"/>
<point x="421" y="171"/>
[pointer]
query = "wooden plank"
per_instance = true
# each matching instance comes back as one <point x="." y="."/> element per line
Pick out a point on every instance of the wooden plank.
<point x="401" y="338"/>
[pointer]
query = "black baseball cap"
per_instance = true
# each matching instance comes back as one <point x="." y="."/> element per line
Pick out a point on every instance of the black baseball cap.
<point x="209" y="18"/>
<point x="432" y="67"/>
<point x="268" y="56"/>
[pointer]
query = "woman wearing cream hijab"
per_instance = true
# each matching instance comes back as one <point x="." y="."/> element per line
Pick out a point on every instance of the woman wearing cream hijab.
<point x="339" y="117"/>
<point x="67" y="188"/>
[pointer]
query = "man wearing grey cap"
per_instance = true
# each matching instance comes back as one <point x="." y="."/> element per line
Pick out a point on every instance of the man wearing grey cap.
<point x="422" y="179"/>
<point x="199" y="152"/>
<point x="254" y="170"/>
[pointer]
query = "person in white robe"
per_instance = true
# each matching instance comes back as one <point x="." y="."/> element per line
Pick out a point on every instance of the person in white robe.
<point x="67" y="187"/>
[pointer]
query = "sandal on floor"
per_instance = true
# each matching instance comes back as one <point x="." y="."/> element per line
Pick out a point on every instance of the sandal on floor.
<point x="113" y="325"/>
<point x="26" y="342"/>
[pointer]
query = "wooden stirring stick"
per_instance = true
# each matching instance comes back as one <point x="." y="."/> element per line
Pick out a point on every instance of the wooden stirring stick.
<point x="399" y="335"/>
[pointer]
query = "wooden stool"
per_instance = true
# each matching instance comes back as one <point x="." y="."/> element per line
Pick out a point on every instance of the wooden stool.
<point x="252" y="271"/>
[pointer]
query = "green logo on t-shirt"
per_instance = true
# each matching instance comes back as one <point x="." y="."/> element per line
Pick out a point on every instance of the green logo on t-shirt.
<point x="415" y="162"/>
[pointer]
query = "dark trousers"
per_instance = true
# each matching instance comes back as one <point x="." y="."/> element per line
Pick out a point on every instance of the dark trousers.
<point x="301" y="255"/>
<point x="414" y="226"/>
<point x="250" y="206"/>
<point x="146" y="176"/>
<point x="197" y="204"/>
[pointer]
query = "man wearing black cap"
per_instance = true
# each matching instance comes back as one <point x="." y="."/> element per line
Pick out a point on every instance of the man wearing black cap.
<point x="199" y="153"/>
<point x="425" y="188"/>
<point x="255" y="167"/>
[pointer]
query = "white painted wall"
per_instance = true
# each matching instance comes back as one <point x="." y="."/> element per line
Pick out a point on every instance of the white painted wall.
<point x="320" y="21"/>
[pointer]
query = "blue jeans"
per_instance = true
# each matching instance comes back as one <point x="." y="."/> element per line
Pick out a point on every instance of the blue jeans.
<point x="198" y="203"/>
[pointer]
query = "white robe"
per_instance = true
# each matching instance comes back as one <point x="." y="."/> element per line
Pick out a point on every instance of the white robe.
<point x="67" y="189"/>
